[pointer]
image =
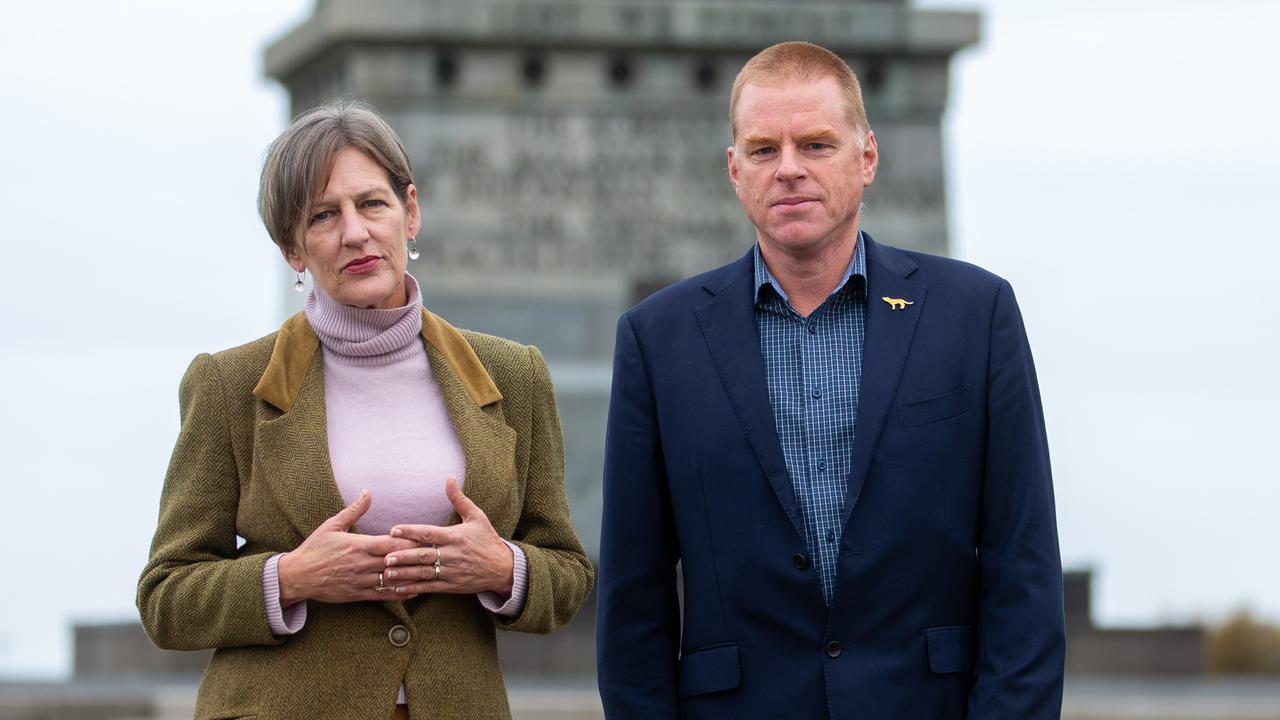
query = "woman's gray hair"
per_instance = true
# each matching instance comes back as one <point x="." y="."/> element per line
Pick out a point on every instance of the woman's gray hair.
<point x="298" y="162"/>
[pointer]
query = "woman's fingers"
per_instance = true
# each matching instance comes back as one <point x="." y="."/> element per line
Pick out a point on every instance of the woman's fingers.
<point x="433" y="552"/>
<point x="421" y="534"/>
<point x="417" y="556"/>
<point x="390" y="590"/>
<point x="459" y="578"/>
<point x="475" y="559"/>
<point x="381" y="545"/>
<point x="413" y="572"/>
<point x="341" y="567"/>
<point x="430" y="586"/>
<point x="467" y="510"/>
<point x="348" y="515"/>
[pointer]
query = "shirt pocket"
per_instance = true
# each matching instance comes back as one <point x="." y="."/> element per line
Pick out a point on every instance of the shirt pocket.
<point x="936" y="409"/>
<point x="710" y="669"/>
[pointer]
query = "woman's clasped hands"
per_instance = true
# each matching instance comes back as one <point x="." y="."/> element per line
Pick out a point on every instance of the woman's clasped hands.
<point x="334" y="565"/>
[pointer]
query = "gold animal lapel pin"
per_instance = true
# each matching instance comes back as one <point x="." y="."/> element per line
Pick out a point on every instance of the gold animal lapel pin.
<point x="897" y="303"/>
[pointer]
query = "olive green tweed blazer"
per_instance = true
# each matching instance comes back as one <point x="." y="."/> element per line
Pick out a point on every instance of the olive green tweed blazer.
<point x="252" y="460"/>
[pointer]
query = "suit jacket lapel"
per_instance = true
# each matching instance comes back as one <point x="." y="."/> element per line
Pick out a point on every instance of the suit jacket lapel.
<point x="884" y="355"/>
<point x="475" y="408"/>
<point x="729" y="327"/>
<point x="488" y="447"/>
<point x="291" y="442"/>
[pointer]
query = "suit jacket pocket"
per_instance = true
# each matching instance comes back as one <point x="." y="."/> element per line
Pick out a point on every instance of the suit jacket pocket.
<point x="936" y="409"/>
<point x="950" y="649"/>
<point x="710" y="669"/>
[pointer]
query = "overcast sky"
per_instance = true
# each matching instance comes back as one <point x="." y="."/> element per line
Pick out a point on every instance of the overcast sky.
<point x="1114" y="160"/>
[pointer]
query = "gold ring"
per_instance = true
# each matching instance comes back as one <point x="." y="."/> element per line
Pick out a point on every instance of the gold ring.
<point x="382" y="585"/>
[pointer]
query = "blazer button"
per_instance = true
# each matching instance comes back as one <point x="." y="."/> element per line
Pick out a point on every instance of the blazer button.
<point x="833" y="649"/>
<point x="399" y="636"/>
<point x="801" y="562"/>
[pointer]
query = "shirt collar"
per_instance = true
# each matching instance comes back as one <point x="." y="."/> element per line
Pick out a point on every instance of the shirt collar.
<point x="857" y="266"/>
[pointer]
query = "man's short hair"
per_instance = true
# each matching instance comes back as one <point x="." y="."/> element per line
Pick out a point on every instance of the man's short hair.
<point x="800" y="62"/>
<point x="298" y="163"/>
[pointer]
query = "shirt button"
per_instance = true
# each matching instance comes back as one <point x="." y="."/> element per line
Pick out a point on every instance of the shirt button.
<point x="817" y="392"/>
<point x="801" y="562"/>
<point x="822" y="464"/>
<point x="399" y="636"/>
<point x="831" y="536"/>
<point x="813" y="328"/>
<point x="833" y="649"/>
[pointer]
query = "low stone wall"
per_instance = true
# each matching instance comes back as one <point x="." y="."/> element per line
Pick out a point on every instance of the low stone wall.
<point x="1158" y="651"/>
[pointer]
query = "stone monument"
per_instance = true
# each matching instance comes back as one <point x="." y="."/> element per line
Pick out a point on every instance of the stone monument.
<point x="570" y="154"/>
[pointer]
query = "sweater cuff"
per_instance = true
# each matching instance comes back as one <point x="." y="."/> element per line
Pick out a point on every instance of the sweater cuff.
<point x="281" y="620"/>
<point x="509" y="607"/>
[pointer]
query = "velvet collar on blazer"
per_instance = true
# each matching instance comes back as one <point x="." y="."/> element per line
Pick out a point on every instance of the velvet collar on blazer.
<point x="297" y="343"/>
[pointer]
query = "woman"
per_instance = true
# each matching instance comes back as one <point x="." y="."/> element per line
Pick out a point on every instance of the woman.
<point x="356" y="501"/>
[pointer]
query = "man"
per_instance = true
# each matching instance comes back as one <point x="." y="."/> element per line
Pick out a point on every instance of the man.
<point x="842" y="446"/>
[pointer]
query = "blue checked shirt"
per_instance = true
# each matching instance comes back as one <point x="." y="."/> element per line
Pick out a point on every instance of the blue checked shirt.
<point x="813" y="367"/>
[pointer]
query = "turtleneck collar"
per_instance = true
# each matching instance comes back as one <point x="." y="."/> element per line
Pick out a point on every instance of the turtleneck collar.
<point x="367" y="336"/>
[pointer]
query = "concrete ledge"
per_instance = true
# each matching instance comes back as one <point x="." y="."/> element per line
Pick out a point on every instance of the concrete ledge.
<point x="624" y="24"/>
<point x="1101" y="698"/>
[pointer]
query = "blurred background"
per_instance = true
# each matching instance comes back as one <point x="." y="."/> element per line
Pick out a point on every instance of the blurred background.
<point x="1114" y="160"/>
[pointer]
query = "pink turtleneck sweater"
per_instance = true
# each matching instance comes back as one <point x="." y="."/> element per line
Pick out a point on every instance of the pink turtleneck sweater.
<point x="389" y="432"/>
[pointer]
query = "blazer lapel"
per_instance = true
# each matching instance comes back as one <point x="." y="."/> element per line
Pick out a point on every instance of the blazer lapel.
<point x="291" y="442"/>
<point x="888" y="338"/>
<point x="729" y="327"/>
<point x="475" y="408"/>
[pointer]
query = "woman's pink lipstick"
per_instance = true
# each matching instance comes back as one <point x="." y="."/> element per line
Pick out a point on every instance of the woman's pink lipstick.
<point x="363" y="265"/>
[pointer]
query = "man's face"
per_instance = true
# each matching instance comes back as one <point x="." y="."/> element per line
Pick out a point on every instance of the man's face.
<point x="797" y="165"/>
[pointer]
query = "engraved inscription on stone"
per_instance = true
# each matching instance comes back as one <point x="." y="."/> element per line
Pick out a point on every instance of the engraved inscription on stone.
<point x="579" y="191"/>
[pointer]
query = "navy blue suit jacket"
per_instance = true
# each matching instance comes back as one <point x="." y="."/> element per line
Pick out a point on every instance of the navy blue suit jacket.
<point x="948" y="601"/>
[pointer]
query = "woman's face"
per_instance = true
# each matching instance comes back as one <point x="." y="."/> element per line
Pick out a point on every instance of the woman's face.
<point x="354" y="240"/>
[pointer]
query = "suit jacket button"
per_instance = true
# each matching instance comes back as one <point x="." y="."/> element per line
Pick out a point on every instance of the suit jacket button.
<point x="801" y="562"/>
<point x="833" y="649"/>
<point x="399" y="636"/>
